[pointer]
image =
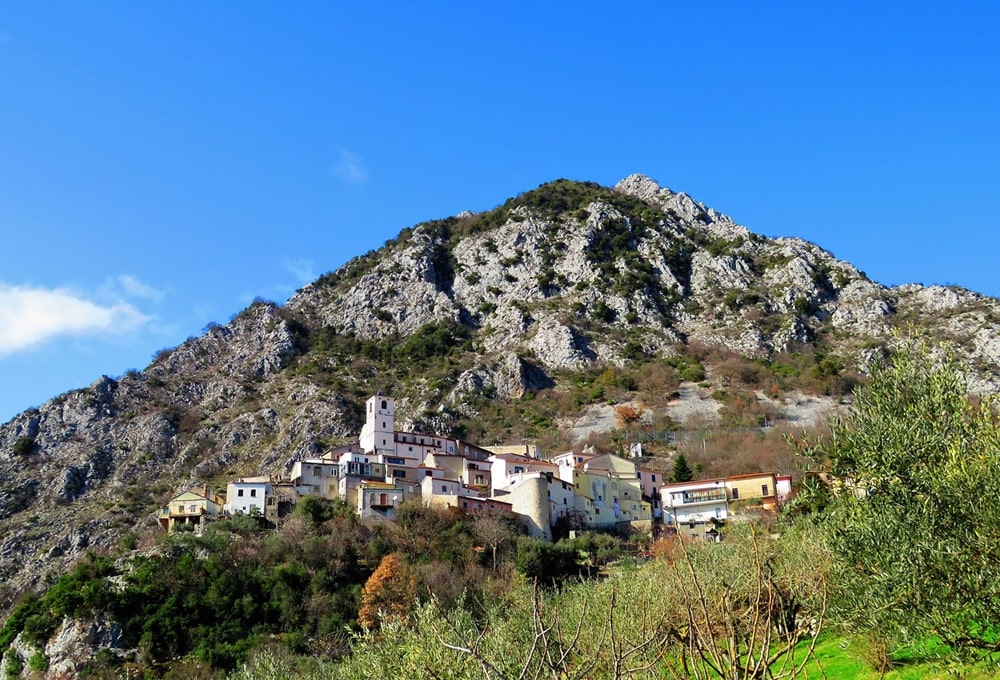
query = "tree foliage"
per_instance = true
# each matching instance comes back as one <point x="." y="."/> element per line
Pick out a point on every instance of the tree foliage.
<point x="390" y="594"/>
<point x="682" y="470"/>
<point x="916" y="465"/>
<point x="710" y="610"/>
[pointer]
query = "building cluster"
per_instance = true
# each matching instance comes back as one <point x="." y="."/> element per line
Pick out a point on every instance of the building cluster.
<point x="389" y="467"/>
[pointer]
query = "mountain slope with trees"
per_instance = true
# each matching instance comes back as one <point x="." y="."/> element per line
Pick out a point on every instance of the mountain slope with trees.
<point x="504" y="325"/>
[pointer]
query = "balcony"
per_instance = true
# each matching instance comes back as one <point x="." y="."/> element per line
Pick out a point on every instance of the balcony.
<point x="382" y="501"/>
<point x="698" y="496"/>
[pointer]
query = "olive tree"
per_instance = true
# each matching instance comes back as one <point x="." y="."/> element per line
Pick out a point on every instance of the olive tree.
<point x="912" y="519"/>
<point x="740" y="609"/>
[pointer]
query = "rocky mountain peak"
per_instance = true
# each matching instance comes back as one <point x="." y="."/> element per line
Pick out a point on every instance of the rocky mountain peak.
<point x="460" y="318"/>
<point x="644" y="188"/>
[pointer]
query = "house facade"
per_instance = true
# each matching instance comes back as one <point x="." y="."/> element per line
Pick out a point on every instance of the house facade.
<point x="379" y="500"/>
<point x="753" y="490"/>
<point x="696" y="509"/>
<point x="191" y="509"/>
<point x="506" y="466"/>
<point x="609" y="492"/>
<point x="248" y="496"/>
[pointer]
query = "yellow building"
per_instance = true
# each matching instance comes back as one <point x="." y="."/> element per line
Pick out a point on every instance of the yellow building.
<point x="752" y="490"/>
<point x="192" y="508"/>
<point x="609" y="491"/>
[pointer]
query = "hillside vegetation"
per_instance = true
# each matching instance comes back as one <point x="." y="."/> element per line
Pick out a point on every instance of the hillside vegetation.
<point x="514" y="324"/>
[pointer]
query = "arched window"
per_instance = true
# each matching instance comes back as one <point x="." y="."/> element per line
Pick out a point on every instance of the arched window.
<point x="385" y="405"/>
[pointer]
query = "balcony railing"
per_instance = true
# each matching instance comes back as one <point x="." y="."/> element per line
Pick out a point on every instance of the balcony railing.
<point x="691" y="497"/>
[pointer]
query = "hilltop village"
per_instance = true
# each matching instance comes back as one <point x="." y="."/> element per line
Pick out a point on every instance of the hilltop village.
<point x="573" y="491"/>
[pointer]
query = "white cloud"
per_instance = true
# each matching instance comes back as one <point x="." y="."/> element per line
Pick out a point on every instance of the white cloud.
<point x="302" y="269"/>
<point x="133" y="287"/>
<point x="32" y="316"/>
<point x="351" y="168"/>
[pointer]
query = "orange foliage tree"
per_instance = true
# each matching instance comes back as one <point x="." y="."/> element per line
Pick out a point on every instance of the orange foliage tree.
<point x="390" y="592"/>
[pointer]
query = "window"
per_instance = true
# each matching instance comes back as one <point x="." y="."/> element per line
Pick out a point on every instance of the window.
<point x="239" y="492"/>
<point x="427" y="473"/>
<point x="253" y="492"/>
<point x="194" y="508"/>
<point x="317" y="471"/>
<point x="399" y="474"/>
<point x="480" y="479"/>
<point x="654" y="478"/>
<point x="444" y="488"/>
<point x="736" y="494"/>
<point x="763" y="489"/>
<point x="385" y="405"/>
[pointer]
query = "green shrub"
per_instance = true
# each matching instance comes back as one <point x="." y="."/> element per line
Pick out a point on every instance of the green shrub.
<point x="38" y="662"/>
<point x="603" y="312"/>
<point x="24" y="446"/>
<point x="545" y="562"/>
<point x="14" y="664"/>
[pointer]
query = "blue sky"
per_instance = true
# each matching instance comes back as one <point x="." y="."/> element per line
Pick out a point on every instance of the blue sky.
<point x="162" y="164"/>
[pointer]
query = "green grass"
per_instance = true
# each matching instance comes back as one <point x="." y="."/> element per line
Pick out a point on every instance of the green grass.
<point x="839" y="659"/>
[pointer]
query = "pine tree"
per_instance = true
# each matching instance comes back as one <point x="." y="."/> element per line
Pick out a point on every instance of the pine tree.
<point x="682" y="471"/>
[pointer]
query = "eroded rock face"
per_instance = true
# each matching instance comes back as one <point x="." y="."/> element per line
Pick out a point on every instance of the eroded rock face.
<point x="557" y="346"/>
<point x="78" y="640"/>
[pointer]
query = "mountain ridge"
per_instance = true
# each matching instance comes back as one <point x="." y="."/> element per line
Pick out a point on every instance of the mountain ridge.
<point x="580" y="293"/>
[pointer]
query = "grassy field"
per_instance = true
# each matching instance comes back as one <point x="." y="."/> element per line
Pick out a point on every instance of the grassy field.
<point x="839" y="659"/>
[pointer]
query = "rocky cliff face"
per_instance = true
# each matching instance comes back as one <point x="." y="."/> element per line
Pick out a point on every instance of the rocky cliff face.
<point x="567" y="278"/>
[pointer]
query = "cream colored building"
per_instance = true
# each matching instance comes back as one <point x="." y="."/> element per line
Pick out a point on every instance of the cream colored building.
<point x="192" y="508"/>
<point x="753" y="490"/>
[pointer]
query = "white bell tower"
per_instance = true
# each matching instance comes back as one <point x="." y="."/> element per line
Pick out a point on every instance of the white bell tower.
<point x="378" y="434"/>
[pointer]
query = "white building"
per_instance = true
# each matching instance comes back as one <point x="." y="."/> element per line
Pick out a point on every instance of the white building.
<point x="567" y="462"/>
<point x="650" y="481"/>
<point x="504" y="466"/>
<point x="318" y="476"/>
<point x="379" y="500"/>
<point x="403" y="453"/>
<point x="695" y="508"/>
<point x="248" y="496"/>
